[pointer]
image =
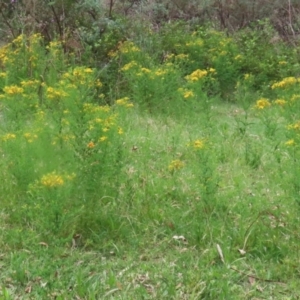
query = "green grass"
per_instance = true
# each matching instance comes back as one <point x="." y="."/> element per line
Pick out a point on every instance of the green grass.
<point x="143" y="260"/>
<point x="157" y="196"/>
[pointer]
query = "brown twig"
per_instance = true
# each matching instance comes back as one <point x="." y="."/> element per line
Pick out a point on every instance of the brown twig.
<point x="8" y="24"/>
<point x="111" y="4"/>
<point x="290" y="19"/>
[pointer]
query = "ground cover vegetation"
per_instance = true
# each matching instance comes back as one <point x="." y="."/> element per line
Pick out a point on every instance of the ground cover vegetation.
<point x="146" y="162"/>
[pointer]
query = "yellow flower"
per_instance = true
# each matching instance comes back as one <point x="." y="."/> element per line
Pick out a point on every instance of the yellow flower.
<point x="262" y="103"/>
<point x="280" y="102"/>
<point x="247" y="76"/>
<point x="8" y="136"/>
<point x="30" y="83"/>
<point x="53" y="44"/>
<point x="295" y="97"/>
<point x="128" y="66"/>
<point x="290" y="142"/>
<point x="30" y="137"/>
<point x="53" y="93"/>
<point x="176" y="165"/>
<point x="197" y="42"/>
<point x="52" y="180"/>
<point x="120" y="130"/>
<point x="295" y="126"/>
<point x="128" y="47"/>
<point x="98" y="83"/>
<point x="13" y="90"/>
<point x="197" y="144"/>
<point x="160" y="72"/>
<point x="196" y="75"/>
<point x="286" y="82"/>
<point x="188" y="94"/>
<point x="124" y="102"/>
<point x="145" y="70"/>
<point x="103" y="138"/>
<point x="104" y="108"/>
<point x="88" y="70"/>
<point x="182" y="56"/>
<point x="91" y="145"/>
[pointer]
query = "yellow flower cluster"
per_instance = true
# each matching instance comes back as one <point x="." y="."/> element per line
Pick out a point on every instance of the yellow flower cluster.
<point x="92" y="108"/>
<point x="53" y="93"/>
<point x="145" y="70"/>
<point x="181" y="56"/>
<point x="160" y="72"/>
<point x="13" y="90"/>
<point x="198" y="42"/>
<point x="124" y="102"/>
<point x="196" y="75"/>
<point x="186" y="93"/>
<point x="80" y="76"/>
<point x="295" y="97"/>
<point x="286" y="82"/>
<point x="197" y="144"/>
<point x="51" y="180"/>
<point x="129" y="66"/>
<point x="128" y="47"/>
<point x="176" y="164"/>
<point x="79" y="71"/>
<point x="3" y="54"/>
<point x="290" y="142"/>
<point x="295" y="126"/>
<point x="30" y="137"/>
<point x="53" y="44"/>
<point x="280" y="102"/>
<point x="55" y="48"/>
<point x="30" y="83"/>
<point x="247" y="76"/>
<point x="8" y="136"/>
<point x="262" y="103"/>
<point x="91" y="145"/>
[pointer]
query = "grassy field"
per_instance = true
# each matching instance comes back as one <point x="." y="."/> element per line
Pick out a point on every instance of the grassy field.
<point x="159" y="177"/>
